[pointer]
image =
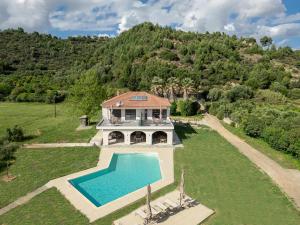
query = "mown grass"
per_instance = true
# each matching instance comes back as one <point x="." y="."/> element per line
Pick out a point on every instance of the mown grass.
<point x="216" y="174"/>
<point x="35" y="167"/>
<point x="285" y="160"/>
<point x="38" y="121"/>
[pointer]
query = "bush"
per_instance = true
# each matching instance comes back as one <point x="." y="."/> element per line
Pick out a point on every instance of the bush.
<point x="278" y="87"/>
<point x="168" y="55"/>
<point x="276" y="137"/>
<point x="173" y="108"/>
<point x="187" y="107"/>
<point x="15" y="134"/>
<point x="254" y="126"/>
<point x="269" y="96"/>
<point x="294" y="93"/>
<point x="239" y="92"/>
<point x="168" y="44"/>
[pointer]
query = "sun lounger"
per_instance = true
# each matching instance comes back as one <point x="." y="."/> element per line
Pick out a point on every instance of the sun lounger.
<point x="141" y="213"/>
<point x="154" y="211"/>
<point x="171" y="203"/>
<point x="161" y="206"/>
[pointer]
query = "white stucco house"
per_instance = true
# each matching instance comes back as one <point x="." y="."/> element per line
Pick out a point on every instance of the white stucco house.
<point x="136" y="118"/>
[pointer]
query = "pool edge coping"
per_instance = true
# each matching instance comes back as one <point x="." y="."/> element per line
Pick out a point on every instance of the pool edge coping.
<point x="81" y="203"/>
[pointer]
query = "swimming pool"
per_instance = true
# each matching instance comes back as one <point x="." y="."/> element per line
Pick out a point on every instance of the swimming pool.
<point x="125" y="174"/>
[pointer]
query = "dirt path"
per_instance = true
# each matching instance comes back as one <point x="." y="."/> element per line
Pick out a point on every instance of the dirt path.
<point x="287" y="179"/>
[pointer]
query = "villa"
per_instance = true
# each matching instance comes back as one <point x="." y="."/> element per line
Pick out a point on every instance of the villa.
<point x="136" y="118"/>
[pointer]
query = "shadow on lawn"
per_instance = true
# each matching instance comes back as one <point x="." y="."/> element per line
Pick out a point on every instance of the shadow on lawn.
<point x="183" y="130"/>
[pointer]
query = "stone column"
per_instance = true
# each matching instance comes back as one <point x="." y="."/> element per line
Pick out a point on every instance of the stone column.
<point x="127" y="137"/>
<point x="149" y="138"/>
<point x="170" y="137"/>
<point x="105" y="137"/>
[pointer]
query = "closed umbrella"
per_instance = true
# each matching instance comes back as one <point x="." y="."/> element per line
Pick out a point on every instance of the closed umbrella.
<point x="149" y="212"/>
<point x="181" y="188"/>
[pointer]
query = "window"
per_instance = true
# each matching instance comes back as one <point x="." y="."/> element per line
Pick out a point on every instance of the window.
<point x="164" y="114"/>
<point x="139" y="98"/>
<point x="116" y="113"/>
<point x="156" y="113"/>
<point x="130" y="114"/>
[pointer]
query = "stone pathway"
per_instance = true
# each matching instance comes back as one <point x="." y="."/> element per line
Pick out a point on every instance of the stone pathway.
<point x="97" y="139"/>
<point x="287" y="179"/>
<point x="23" y="200"/>
<point x="58" y="145"/>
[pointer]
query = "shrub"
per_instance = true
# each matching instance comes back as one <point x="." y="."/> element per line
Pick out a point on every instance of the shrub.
<point x="278" y="87"/>
<point x="254" y="126"/>
<point x="168" y="55"/>
<point x="187" y="107"/>
<point x="15" y="134"/>
<point x="168" y="44"/>
<point x="294" y="93"/>
<point x="239" y="92"/>
<point x="173" y="108"/>
<point x="220" y="115"/>
<point x="269" y="96"/>
<point x="214" y="94"/>
<point x="276" y="137"/>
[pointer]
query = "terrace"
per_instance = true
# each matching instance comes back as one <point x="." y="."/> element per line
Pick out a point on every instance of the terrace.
<point x="106" y="123"/>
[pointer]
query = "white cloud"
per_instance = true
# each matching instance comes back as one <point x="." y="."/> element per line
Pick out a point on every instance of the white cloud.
<point x="241" y="17"/>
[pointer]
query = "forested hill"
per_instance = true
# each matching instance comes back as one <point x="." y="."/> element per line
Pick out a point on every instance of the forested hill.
<point x="32" y="65"/>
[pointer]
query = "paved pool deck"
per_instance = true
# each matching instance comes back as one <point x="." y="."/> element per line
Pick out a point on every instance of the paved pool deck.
<point x="165" y="154"/>
<point x="191" y="216"/>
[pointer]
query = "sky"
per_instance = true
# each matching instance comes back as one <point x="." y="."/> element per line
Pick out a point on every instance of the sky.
<point x="279" y="19"/>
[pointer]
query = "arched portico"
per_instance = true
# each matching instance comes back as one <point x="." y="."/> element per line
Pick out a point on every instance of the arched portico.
<point x="137" y="137"/>
<point x="159" y="137"/>
<point x="115" y="137"/>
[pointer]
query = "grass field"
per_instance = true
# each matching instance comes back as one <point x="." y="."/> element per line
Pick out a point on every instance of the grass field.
<point x="282" y="158"/>
<point x="38" y="120"/>
<point x="35" y="167"/>
<point x="216" y="174"/>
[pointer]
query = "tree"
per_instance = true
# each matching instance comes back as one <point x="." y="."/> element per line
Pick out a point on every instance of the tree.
<point x="172" y="88"/>
<point x="7" y="151"/>
<point x="157" y="86"/>
<point x="87" y="93"/>
<point x="214" y="94"/>
<point x="266" y="41"/>
<point x="187" y="86"/>
<point x="239" y="92"/>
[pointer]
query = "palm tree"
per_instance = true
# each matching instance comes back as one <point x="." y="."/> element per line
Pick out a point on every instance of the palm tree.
<point x="172" y="88"/>
<point x="187" y="86"/>
<point x="157" y="86"/>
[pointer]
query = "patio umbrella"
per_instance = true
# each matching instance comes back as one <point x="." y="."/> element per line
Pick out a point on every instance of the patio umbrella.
<point x="181" y="187"/>
<point x="149" y="212"/>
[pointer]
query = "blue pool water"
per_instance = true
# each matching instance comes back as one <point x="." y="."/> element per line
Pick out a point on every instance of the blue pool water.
<point x="126" y="173"/>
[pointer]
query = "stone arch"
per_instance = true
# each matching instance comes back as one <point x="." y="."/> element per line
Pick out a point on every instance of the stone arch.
<point x="159" y="137"/>
<point x="116" y="137"/>
<point x="137" y="137"/>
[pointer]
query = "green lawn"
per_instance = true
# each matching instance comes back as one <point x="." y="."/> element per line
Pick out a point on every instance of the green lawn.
<point x="35" y="167"/>
<point x="38" y="120"/>
<point x="216" y="174"/>
<point x="282" y="158"/>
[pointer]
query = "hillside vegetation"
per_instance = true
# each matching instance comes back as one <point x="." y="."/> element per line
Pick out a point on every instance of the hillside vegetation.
<point x="256" y="85"/>
<point x="32" y="64"/>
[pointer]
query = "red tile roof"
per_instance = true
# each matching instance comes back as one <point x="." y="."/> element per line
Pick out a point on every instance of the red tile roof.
<point x="126" y="100"/>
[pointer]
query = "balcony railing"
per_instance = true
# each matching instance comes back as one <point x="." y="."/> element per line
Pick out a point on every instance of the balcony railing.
<point x="145" y="123"/>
